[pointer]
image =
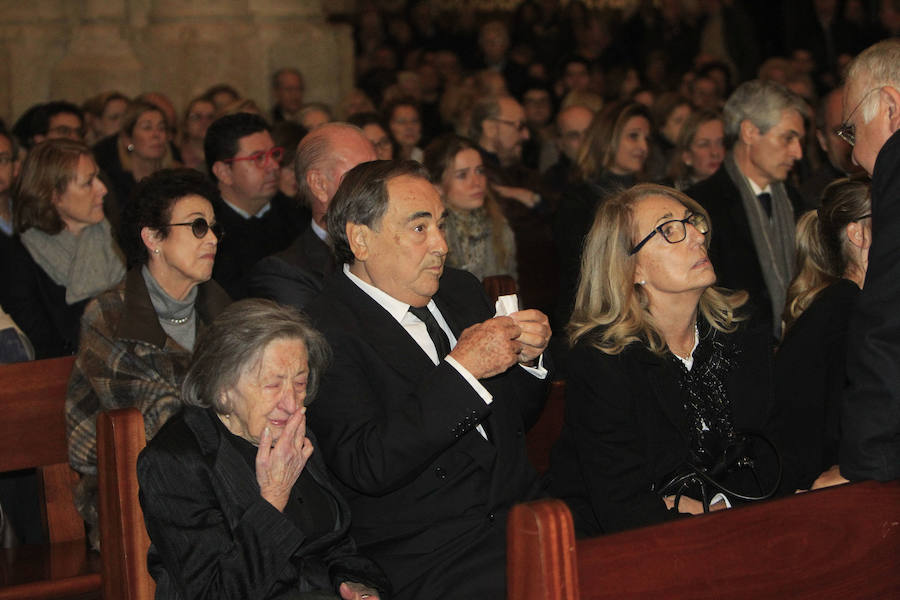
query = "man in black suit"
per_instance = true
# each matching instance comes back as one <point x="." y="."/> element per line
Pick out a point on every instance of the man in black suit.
<point x="296" y="275"/>
<point x="421" y="416"/>
<point x="870" y="416"/>
<point x="751" y="208"/>
<point x="245" y="163"/>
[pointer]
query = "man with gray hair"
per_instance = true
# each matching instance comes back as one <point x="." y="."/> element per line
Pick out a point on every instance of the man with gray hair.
<point x="751" y="208"/>
<point x="422" y="413"/>
<point x="870" y="418"/>
<point x="295" y="275"/>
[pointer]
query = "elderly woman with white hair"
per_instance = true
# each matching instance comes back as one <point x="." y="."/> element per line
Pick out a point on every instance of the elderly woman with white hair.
<point x="237" y="502"/>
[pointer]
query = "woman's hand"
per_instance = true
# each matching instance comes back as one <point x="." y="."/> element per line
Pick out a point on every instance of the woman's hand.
<point x="522" y="195"/>
<point x="350" y="590"/>
<point x="829" y="478"/>
<point x="690" y="506"/>
<point x="279" y="466"/>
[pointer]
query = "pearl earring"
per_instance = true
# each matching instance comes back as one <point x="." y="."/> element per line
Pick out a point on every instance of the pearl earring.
<point x="642" y="282"/>
<point x="130" y="147"/>
<point x="156" y="251"/>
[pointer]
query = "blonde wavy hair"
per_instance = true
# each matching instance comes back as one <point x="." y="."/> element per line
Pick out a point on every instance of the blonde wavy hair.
<point x="611" y="310"/>
<point x="823" y="251"/>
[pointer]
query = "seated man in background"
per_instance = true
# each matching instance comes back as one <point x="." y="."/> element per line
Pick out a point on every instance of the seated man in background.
<point x="423" y="412"/>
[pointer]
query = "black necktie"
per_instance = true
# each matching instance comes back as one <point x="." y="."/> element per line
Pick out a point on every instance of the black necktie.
<point x="437" y="335"/>
<point x="766" y="200"/>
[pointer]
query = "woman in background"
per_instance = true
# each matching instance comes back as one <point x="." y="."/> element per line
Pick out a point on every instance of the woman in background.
<point x="405" y="126"/>
<point x="103" y="115"/>
<point x="699" y="151"/>
<point x="65" y="253"/>
<point x="810" y="366"/>
<point x="198" y="116"/>
<point x="611" y="158"/>
<point x="479" y="238"/>
<point x="670" y="112"/>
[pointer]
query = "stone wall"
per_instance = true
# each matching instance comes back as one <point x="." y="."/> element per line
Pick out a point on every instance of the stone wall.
<point x="73" y="49"/>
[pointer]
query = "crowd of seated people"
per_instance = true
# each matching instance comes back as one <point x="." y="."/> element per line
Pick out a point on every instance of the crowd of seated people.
<point x="640" y="176"/>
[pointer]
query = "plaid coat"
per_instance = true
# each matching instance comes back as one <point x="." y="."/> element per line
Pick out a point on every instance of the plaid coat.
<point x="125" y="359"/>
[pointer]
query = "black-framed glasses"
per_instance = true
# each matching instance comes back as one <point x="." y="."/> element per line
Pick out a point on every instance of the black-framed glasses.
<point x="261" y="158"/>
<point x="200" y="227"/>
<point x="845" y="130"/>
<point x="519" y="125"/>
<point x="675" y="231"/>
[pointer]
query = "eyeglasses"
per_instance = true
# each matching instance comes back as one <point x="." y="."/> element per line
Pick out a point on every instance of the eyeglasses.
<point x="200" y="227"/>
<point x="261" y="158"/>
<point x="846" y="131"/>
<point x="65" y="131"/>
<point x="674" y="231"/>
<point x="519" y="125"/>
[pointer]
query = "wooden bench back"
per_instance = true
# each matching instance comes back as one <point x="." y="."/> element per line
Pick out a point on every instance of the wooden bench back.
<point x="841" y="542"/>
<point x="33" y="435"/>
<point x="123" y="536"/>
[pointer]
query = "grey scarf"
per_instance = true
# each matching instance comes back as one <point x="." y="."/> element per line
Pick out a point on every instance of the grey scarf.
<point x="773" y="237"/>
<point x="85" y="265"/>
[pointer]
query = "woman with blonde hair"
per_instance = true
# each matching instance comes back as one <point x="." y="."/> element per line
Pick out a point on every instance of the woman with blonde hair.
<point x="666" y="375"/>
<point x="478" y="235"/>
<point x="810" y="368"/>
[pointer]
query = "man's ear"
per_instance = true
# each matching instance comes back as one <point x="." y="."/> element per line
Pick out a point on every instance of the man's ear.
<point x="222" y="172"/>
<point x="748" y="132"/>
<point x="315" y="179"/>
<point x="358" y="237"/>
<point x="891" y="99"/>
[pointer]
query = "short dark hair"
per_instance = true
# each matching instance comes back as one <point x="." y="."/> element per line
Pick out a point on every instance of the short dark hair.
<point x="234" y="343"/>
<point x="287" y="135"/>
<point x="367" y="118"/>
<point x="40" y="124"/>
<point x="222" y="137"/>
<point x="151" y="206"/>
<point x="362" y="198"/>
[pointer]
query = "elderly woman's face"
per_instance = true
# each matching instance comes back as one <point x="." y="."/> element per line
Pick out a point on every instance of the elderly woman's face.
<point x="668" y="269"/>
<point x="268" y="394"/>
<point x="184" y="260"/>
<point x="81" y="204"/>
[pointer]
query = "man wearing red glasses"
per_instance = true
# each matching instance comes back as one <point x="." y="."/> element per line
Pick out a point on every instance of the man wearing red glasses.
<point x="245" y="162"/>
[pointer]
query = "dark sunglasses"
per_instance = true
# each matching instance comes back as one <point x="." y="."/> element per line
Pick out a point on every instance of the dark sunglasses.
<point x="200" y="227"/>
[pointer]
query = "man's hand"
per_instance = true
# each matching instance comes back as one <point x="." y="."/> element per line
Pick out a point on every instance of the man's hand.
<point x="489" y="348"/>
<point x="829" y="478"/>
<point x="535" y="333"/>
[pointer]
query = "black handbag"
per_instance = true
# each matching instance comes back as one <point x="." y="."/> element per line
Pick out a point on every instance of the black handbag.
<point x="707" y="476"/>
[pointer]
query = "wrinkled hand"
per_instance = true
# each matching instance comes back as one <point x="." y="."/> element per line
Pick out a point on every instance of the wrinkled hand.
<point x="829" y="478"/>
<point x="350" y="590"/>
<point x="488" y="348"/>
<point x="522" y="195"/>
<point x="690" y="506"/>
<point x="535" y="333"/>
<point x="278" y="467"/>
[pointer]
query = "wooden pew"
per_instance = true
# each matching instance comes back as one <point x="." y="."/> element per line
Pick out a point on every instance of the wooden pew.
<point x="123" y="536"/>
<point x="841" y="542"/>
<point x="33" y="435"/>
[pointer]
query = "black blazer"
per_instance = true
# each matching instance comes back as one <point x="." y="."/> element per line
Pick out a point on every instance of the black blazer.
<point x="397" y="431"/>
<point x="214" y="536"/>
<point x="626" y="432"/>
<point x="295" y="275"/>
<point x="810" y="377"/>
<point x="38" y="305"/>
<point x="731" y="249"/>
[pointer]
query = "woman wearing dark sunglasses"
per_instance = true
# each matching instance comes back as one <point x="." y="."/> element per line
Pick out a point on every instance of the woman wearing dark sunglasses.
<point x="137" y="338"/>
<point x="665" y="372"/>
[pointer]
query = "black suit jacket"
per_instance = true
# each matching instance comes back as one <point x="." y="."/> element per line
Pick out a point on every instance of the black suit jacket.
<point x="397" y="431"/>
<point x="37" y="304"/>
<point x="870" y="436"/>
<point x="626" y="431"/>
<point x="214" y="536"/>
<point x="731" y="247"/>
<point x="295" y="275"/>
